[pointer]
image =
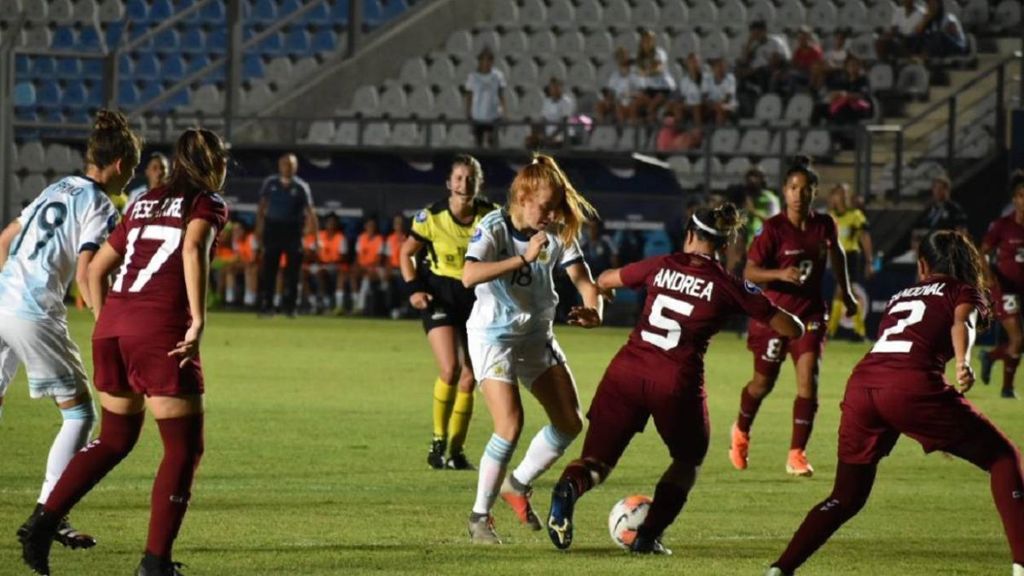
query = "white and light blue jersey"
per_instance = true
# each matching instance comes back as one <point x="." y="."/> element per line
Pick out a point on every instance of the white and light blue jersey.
<point x="68" y="217"/>
<point x="520" y="305"/>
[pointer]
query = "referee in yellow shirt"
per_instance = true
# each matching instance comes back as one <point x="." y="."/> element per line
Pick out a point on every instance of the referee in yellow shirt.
<point x="852" y="228"/>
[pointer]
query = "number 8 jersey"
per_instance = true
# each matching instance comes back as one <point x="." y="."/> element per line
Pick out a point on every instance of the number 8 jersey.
<point x="781" y="245"/>
<point x="148" y="292"/>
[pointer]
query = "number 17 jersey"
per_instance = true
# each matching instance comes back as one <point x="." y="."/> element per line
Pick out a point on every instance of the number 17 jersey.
<point x="148" y="293"/>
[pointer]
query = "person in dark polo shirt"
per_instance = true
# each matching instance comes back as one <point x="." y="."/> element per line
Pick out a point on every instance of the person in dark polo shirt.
<point x="286" y="207"/>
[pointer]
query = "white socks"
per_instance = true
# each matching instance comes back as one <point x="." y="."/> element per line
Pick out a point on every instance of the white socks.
<point x="547" y="446"/>
<point x="493" y="464"/>
<point x="72" y="437"/>
<point x="1018" y="570"/>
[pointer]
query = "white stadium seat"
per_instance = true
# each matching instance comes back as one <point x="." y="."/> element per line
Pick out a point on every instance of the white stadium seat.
<point x="321" y="132"/>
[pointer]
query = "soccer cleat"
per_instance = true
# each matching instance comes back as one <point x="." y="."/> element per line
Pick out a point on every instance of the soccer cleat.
<point x="1008" y="393"/>
<point x="481" y="529"/>
<point x="36" y="536"/>
<point x="563" y="501"/>
<point x="1018" y="569"/>
<point x="519" y="500"/>
<point x="645" y="545"/>
<point x="739" y="448"/>
<point x="68" y="537"/>
<point x="436" y="455"/>
<point x="155" y="566"/>
<point x="775" y="571"/>
<point x="797" y="464"/>
<point x="458" y="461"/>
<point x="986" y="367"/>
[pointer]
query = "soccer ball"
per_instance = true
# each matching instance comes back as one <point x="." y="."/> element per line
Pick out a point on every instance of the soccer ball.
<point x="627" y="515"/>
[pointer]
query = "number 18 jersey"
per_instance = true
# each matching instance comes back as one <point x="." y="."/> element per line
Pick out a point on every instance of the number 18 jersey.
<point x="914" y="341"/>
<point x="148" y="293"/>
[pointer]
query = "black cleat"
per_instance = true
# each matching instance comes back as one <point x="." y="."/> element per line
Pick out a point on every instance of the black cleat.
<point x="154" y="566"/>
<point x="36" y="536"/>
<point x="646" y="545"/>
<point x="1008" y="393"/>
<point x="68" y="537"/>
<point x="458" y="461"/>
<point x="436" y="455"/>
<point x="986" y="367"/>
<point x="563" y="502"/>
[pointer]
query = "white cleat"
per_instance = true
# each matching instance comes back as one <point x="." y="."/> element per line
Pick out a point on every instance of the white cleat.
<point x="1018" y="570"/>
<point x="775" y="571"/>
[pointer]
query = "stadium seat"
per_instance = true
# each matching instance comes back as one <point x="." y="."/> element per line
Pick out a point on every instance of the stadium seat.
<point x="90" y="39"/>
<point x="533" y="13"/>
<point x="513" y="136"/>
<point x="320" y="132"/>
<point x="525" y="73"/>
<point x="436" y="133"/>
<point x="405" y="134"/>
<point x="736" y="167"/>
<point x="64" y="38"/>
<point x="69" y="68"/>
<point x="628" y="39"/>
<point x="530" y="103"/>
<point x="754" y="142"/>
<point x="23" y="65"/>
<point x="60" y="11"/>
<point x="319" y="15"/>
<point x="854" y="14"/>
<point x="127" y="93"/>
<point x="376" y="133"/>
<point x="976" y="14"/>
<point x="31" y="156"/>
<point x="561" y="13"/>
<point x="213" y="13"/>
<point x="459" y="136"/>
<point x="24" y="94"/>
<point x="146" y="66"/>
<point x="393" y="102"/>
<point x="685" y="43"/>
<point x="725" y="140"/>
<point x="646" y="13"/>
<point x="732" y="17"/>
<point x="167" y="41"/>
<point x="771" y="167"/>
<point x="913" y="80"/>
<point x="1007" y="15"/>
<point x="583" y="75"/>
<point x="589" y="13"/>
<point x="679" y="164"/>
<point x="506" y="12"/>
<point x="160" y="10"/>
<point x="286" y="7"/>
<point x="421" y="101"/>
<point x="486" y="39"/>
<point x="863" y="46"/>
<point x="459" y="43"/>
<point x="714" y="44"/>
<point x="33" y="184"/>
<point x="36" y="36"/>
<point x="414" y="72"/>
<point x="149" y="90"/>
<point x="764" y="11"/>
<point x="542" y="42"/>
<point x="272" y="45"/>
<point x="43" y="67"/>
<point x="200" y="61"/>
<point x="257" y="96"/>
<point x="48" y="93"/>
<point x="603" y="137"/>
<point x="58" y="159"/>
<point x="880" y="15"/>
<point x="792" y="142"/>
<point x="365" y="100"/>
<point x="34" y="12"/>
<point x="570" y="44"/>
<point x="823" y="16"/>
<point x="514" y="41"/>
<point x="264" y="12"/>
<point x="208" y="99"/>
<point x="554" y="68"/>
<point x="195" y="41"/>
<point x="280" y="70"/>
<point x="137" y="12"/>
<point x="599" y="44"/>
<point x="617" y="14"/>
<point x="442" y="71"/>
<point x="817" y="144"/>
<point x="790" y="15"/>
<point x="346" y="134"/>
<point x="296" y="41"/>
<point x="768" y="109"/>
<point x="881" y="77"/>
<point x="85" y="11"/>
<point x="704" y="16"/>
<point x="799" y="109"/>
<point x="92" y="67"/>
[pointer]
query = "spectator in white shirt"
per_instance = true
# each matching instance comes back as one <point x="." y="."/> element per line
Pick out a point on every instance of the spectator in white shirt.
<point x="689" y="102"/>
<point x="557" y="110"/>
<point x="719" y="90"/>
<point x="619" y="92"/>
<point x="942" y="34"/>
<point x="485" y="98"/>
<point x="657" y="81"/>
<point x="835" y="60"/>
<point x="765" y="58"/>
<point x="903" y="36"/>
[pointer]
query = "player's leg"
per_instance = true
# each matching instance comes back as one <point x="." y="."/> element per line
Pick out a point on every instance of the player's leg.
<point x="505" y="405"/>
<point x="462" y="409"/>
<point x="9" y="363"/>
<point x="291" y="277"/>
<point x="1005" y="306"/>
<point x="836" y="313"/>
<point x="444" y="346"/>
<point x="769" y="351"/>
<point x="1011" y="359"/>
<point x="268" y="269"/>
<point x="805" y="406"/>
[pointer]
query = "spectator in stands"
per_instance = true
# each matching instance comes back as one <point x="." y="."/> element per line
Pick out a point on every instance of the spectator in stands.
<point x="689" y="102"/>
<point x="833" y="61"/>
<point x="942" y="213"/>
<point x="245" y="264"/>
<point x="942" y="34"/>
<point x="598" y="249"/>
<point x="329" y="269"/>
<point x="285" y="211"/>
<point x="903" y="37"/>
<point x="848" y="97"/>
<point x="485" y="99"/>
<point x="673" y="136"/>
<point x="807" y="57"/>
<point x="556" y="112"/>
<point x="656" y="80"/>
<point x="764" y="59"/>
<point x="620" y="92"/>
<point x="719" y="92"/>
<point x="759" y="204"/>
<point x="395" y="285"/>
<point x="157" y="169"/>
<point x="369" y="264"/>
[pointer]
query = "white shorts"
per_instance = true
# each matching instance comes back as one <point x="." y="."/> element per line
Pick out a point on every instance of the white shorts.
<point x="51" y="358"/>
<point x="520" y="362"/>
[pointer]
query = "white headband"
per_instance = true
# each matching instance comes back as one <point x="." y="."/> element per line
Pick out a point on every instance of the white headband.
<point x="706" y="228"/>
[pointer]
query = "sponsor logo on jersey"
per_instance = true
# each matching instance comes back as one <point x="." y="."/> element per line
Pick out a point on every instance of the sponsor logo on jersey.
<point x="439" y="315"/>
<point x="477" y="235"/>
<point x="421" y="216"/>
<point x="813" y="326"/>
<point x="792" y="252"/>
<point x="751" y="287"/>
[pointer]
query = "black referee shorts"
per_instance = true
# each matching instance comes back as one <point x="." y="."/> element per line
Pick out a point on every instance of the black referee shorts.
<point x="451" y="305"/>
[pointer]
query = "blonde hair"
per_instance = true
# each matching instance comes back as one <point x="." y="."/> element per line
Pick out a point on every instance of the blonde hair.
<point x="574" y="210"/>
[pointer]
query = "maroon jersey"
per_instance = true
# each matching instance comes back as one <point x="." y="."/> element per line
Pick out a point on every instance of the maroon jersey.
<point x="148" y="293"/>
<point x="689" y="298"/>
<point x="782" y="245"/>
<point x="1007" y="237"/>
<point x="914" y="341"/>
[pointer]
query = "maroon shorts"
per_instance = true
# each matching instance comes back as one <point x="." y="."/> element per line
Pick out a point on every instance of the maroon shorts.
<point x="1005" y="301"/>
<point x="140" y="364"/>
<point x="939" y="418"/>
<point x="770" y="348"/>
<point x="624" y="402"/>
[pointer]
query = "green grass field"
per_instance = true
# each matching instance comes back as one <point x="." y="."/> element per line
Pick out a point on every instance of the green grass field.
<point x="317" y="432"/>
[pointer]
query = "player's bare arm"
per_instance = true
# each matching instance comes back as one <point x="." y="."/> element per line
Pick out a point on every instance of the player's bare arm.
<point x="867" y="249"/>
<point x="101" y="266"/>
<point x="787" y="324"/>
<point x="313" y="225"/>
<point x="479" y="272"/>
<point x="591" y="313"/>
<point x="82" y="275"/>
<point x="838" y="258"/>
<point x="195" y="258"/>
<point x="963" y="334"/>
<point x="986" y="256"/>
<point x="6" y="239"/>
<point x="753" y="272"/>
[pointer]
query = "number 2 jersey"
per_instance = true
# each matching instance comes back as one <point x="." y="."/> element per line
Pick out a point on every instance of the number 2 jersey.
<point x="520" y="305"/>
<point x="148" y="293"/>
<point x="689" y="299"/>
<point x="914" y="341"/>
<point x="1007" y="237"/>
<point x="782" y="245"/>
<point x="70" y="216"/>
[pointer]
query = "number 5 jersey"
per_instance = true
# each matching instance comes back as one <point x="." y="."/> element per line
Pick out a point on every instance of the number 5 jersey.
<point x="70" y="216"/>
<point x="148" y="292"/>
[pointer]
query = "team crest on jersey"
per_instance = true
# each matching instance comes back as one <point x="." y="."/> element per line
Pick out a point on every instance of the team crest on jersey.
<point x="421" y="216"/>
<point x="543" y="256"/>
<point x="751" y="287"/>
<point x="477" y="235"/>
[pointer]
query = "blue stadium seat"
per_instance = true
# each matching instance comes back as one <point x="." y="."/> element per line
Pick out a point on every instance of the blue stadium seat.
<point x="160" y="10"/>
<point x="272" y="45"/>
<point x="22" y="65"/>
<point x="252" y="66"/>
<point x="392" y="8"/>
<point x="114" y="32"/>
<point x="213" y="13"/>
<point x="146" y="66"/>
<point x="217" y="41"/>
<point x="324" y="40"/>
<point x="69" y="67"/>
<point x="286" y="7"/>
<point x="43" y="67"/>
<point x="167" y="41"/>
<point x="26" y="115"/>
<point x="182" y="5"/>
<point x="63" y="38"/>
<point x="89" y="39"/>
<point x="24" y="94"/>
<point x="198" y="62"/>
<point x="94" y="94"/>
<point x="264" y="11"/>
<point x="47" y="93"/>
<point x="319" y="15"/>
<point x="373" y="13"/>
<point x="149" y="90"/>
<point x="136" y="11"/>
<point x="339" y="12"/>
<point x="127" y="93"/>
<point x="297" y="41"/>
<point x="74" y="95"/>
<point x="193" y="41"/>
<point x="126" y="65"/>
<point x="174" y="67"/>
<point x="92" y="67"/>
<point x="51" y="114"/>
<point x="78" y="116"/>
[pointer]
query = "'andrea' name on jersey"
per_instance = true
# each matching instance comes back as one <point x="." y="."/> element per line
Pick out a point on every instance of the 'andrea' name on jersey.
<point x="684" y="284"/>
<point x="144" y="209"/>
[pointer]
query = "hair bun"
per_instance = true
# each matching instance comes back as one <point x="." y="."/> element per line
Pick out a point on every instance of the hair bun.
<point x="110" y="120"/>
<point x="801" y="161"/>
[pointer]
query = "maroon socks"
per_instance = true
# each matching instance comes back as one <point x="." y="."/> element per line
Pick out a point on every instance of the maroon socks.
<point x="804" y="410"/>
<point x="748" y="411"/>
<point x="172" y="489"/>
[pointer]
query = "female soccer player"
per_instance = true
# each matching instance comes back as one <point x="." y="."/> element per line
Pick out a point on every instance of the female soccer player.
<point x="659" y="373"/>
<point x="444" y="229"/>
<point x="146" y="347"/>
<point x="48" y="245"/>
<point x="788" y="257"/>
<point x="510" y="262"/>
<point x="1006" y="279"/>
<point x="899" y="388"/>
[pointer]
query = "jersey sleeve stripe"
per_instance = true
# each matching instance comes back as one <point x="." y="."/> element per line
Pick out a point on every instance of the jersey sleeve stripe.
<point x="472" y="259"/>
<point x="418" y="237"/>
<point x="565" y="265"/>
<point x="89" y="247"/>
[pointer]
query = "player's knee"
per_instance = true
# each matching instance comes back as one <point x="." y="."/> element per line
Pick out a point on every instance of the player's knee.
<point x="558" y="438"/>
<point x="761" y="385"/>
<point x="449" y="373"/>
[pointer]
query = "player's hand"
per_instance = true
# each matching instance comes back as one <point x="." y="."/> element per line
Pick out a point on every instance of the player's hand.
<point x="420" y="300"/>
<point x="791" y="275"/>
<point x="584" y="317"/>
<point x="537" y="243"/>
<point x="188" y="348"/>
<point x="607" y="293"/>
<point x="851" y="304"/>
<point x="965" y="376"/>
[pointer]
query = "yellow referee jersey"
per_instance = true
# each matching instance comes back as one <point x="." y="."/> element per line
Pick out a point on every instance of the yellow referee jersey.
<point x="446" y="238"/>
<point x="850" y="225"/>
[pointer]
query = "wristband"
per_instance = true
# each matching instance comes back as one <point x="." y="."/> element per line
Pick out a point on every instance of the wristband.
<point x="416" y="285"/>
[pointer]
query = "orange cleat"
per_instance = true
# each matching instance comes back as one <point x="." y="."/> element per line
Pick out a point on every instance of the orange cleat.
<point x="797" y="464"/>
<point x="520" y="503"/>
<point x="739" y="448"/>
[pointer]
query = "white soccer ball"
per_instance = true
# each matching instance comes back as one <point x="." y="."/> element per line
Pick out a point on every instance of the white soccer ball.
<point x="627" y="515"/>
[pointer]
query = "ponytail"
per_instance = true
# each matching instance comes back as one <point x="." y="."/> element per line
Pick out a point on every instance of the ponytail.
<point x="112" y="140"/>
<point x="951" y="253"/>
<point x="720" y="225"/>
<point x="199" y="159"/>
<point x="801" y="164"/>
<point x="575" y="210"/>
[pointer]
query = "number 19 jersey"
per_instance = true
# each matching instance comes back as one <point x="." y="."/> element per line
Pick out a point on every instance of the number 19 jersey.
<point x="148" y="293"/>
<point x="70" y="216"/>
<point x="914" y="341"/>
